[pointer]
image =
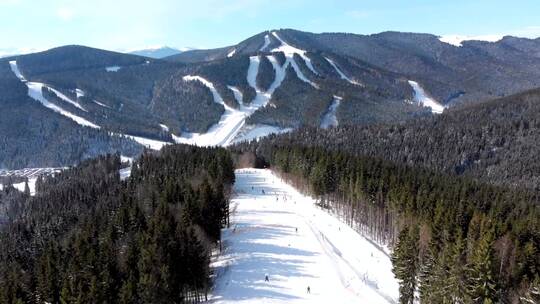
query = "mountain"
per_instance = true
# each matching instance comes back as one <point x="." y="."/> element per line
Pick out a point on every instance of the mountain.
<point x="274" y="81"/>
<point x="494" y="141"/>
<point x="158" y="52"/>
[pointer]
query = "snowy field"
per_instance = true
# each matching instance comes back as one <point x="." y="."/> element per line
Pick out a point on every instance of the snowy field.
<point x="282" y="234"/>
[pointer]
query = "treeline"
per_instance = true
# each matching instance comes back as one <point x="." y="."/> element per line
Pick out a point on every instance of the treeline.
<point x="495" y="141"/>
<point x="454" y="240"/>
<point x="89" y="237"/>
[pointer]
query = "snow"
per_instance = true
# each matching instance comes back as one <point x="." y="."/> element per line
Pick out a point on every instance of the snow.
<point x="31" y="186"/>
<point x="80" y="93"/>
<point x="36" y="93"/>
<point x="125" y="173"/>
<point x="67" y="99"/>
<point x="266" y="43"/>
<point x="164" y="127"/>
<point x="231" y="53"/>
<point x="101" y="104"/>
<point x="341" y="74"/>
<point x="423" y="99"/>
<point x="338" y="264"/>
<point x="290" y="50"/>
<point x="255" y="132"/>
<point x="153" y="144"/>
<point x="237" y="94"/>
<point x="329" y="119"/>
<point x="16" y="71"/>
<point x="457" y="40"/>
<point x="113" y="68"/>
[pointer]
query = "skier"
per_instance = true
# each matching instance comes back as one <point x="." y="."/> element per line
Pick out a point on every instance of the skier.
<point x="262" y="191"/>
<point x="296" y="229"/>
<point x="308" y="290"/>
<point x="266" y="278"/>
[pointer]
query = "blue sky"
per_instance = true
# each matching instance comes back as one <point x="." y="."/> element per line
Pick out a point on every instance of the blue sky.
<point x="131" y="24"/>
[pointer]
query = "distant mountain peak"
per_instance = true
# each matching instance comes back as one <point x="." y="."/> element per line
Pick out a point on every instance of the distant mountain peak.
<point x="159" y="52"/>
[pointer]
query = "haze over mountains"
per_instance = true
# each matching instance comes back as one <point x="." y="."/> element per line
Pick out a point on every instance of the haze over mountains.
<point x="274" y="81"/>
<point x="159" y="52"/>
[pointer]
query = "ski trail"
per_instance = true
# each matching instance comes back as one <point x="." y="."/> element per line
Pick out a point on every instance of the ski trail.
<point x="341" y="74"/>
<point x="237" y="95"/>
<point x="279" y="232"/>
<point x="330" y="119"/>
<point x="290" y="50"/>
<point x="423" y="99"/>
<point x="35" y="91"/>
<point x="266" y="43"/>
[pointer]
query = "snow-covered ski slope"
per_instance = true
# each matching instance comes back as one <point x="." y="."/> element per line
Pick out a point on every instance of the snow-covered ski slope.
<point x="338" y="264"/>
<point x="423" y="99"/>
<point x="330" y="117"/>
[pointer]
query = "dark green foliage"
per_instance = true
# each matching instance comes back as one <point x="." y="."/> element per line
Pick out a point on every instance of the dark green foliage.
<point x="433" y="211"/>
<point x="266" y="74"/>
<point x="88" y="237"/>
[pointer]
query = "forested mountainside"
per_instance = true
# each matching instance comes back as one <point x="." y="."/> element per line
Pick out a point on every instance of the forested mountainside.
<point x="271" y="82"/>
<point x="454" y="240"/>
<point x="33" y="136"/>
<point x="474" y="71"/>
<point x="495" y="141"/>
<point x="89" y="237"/>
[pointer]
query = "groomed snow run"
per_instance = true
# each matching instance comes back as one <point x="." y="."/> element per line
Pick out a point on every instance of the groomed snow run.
<point x="338" y="264"/>
<point x="289" y="52"/>
<point x="36" y="93"/>
<point x="424" y="100"/>
<point x="220" y="134"/>
<point x="255" y="132"/>
<point x="457" y="40"/>
<point x="233" y="120"/>
<point x="330" y="119"/>
<point x="266" y="43"/>
<point x="341" y="74"/>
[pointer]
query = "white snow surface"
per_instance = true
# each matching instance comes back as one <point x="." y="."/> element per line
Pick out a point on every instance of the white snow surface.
<point x="231" y="122"/>
<point x="231" y="53"/>
<point x="290" y="50"/>
<point x="237" y="94"/>
<point x="113" y="68"/>
<point x="457" y="40"/>
<point x="31" y="186"/>
<point x="266" y="43"/>
<point x="80" y="93"/>
<point x="256" y="132"/>
<point x="16" y="71"/>
<point x="341" y="74"/>
<point x="125" y="173"/>
<point x="338" y="264"/>
<point x="35" y="92"/>
<point x="423" y="99"/>
<point x="330" y="119"/>
<point x="66" y="99"/>
<point x="164" y="127"/>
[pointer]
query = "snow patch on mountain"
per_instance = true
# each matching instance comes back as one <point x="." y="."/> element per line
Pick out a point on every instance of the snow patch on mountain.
<point x="237" y="94"/>
<point x="266" y="43"/>
<point x="341" y="74"/>
<point x="330" y="119"/>
<point x="231" y="53"/>
<point x="66" y="99"/>
<point x="423" y="99"/>
<point x="113" y="68"/>
<point x="80" y="93"/>
<point x="256" y="132"/>
<point x="457" y="40"/>
<point x="290" y="50"/>
<point x="16" y="71"/>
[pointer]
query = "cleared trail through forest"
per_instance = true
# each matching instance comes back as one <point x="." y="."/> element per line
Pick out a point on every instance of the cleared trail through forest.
<point x="278" y="232"/>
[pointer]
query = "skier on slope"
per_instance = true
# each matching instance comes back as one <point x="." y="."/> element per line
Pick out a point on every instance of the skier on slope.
<point x="266" y="278"/>
<point x="308" y="290"/>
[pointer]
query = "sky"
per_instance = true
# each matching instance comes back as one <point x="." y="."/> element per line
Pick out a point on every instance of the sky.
<point x="122" y="25"/>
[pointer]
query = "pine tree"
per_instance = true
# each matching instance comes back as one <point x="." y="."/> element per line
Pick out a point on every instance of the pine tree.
<point x="405" y="264"/>
<point x="481" y="282"/>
